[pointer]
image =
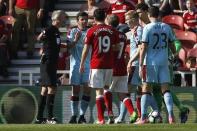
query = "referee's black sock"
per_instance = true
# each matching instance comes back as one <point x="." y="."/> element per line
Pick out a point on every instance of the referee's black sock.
<point x="50" y="105"/>
<point x="41" y="107"/>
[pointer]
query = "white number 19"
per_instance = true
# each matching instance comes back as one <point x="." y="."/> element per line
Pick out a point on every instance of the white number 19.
<point x="104" y="44"/>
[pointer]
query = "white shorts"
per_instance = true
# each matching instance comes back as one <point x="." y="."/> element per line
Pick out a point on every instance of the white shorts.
<point x="119" y="84"/>
<point x="100" y="78"/>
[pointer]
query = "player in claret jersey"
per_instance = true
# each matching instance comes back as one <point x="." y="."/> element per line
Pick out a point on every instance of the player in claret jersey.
<point x="102" y="39"/>
<point x="119" y="83"/>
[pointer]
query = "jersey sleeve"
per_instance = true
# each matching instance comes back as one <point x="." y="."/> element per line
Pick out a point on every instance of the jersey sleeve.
<point x="70" y="36"/>
<point x="44" y="33"/>
<point x="139" y="35"/>
<point x="89" y="37"/>
<point x="145" y="33"/>
<point x="171" y="35"/>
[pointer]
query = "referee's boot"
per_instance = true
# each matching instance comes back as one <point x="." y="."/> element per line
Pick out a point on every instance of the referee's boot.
<point x="73" y="120"/>
<point x="81" y="119"/>
<point x="51" y="121"/>
<point x="40" y="121"/>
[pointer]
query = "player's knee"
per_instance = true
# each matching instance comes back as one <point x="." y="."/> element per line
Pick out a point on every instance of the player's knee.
<point x="52" y="90"/>
<point x="99" y="92"/>
<point x="75" y="90"/>
<point x="165" y="91"/>
<point x="43" y="91"/>
<point x="87" y="91"/>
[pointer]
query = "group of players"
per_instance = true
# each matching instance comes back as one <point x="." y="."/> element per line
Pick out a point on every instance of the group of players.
<point x="98" y="61"/>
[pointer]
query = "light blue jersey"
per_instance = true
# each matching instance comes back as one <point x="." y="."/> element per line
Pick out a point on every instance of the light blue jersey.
<point x="134" y="42"/>
<point x="77" y="78"/>
<point x="76" y="51"/>
<point x="157" y="36"/>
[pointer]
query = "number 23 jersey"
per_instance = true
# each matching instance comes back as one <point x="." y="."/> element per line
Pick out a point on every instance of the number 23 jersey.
<point x="101" y="38"/>
<point x="157" y="36"/>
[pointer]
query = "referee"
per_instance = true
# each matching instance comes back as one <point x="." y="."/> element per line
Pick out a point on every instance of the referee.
<point x="48" y="67"/>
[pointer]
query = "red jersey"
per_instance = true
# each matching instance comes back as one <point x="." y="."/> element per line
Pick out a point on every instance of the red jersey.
<point x="120" y="67"/>
<point x="27" y="4"/>
<point x="120" y="10"/>
<point x="101" y="38"/>
<point x="190" y="18"/>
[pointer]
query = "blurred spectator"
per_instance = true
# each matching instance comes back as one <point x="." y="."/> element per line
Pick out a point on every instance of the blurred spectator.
<point x="90" y="8"/>
<point x="190" y="62"/>
<point x="92" y="4"/>
<point x="190" y="16"/>
<point x="3" y="7"/>
<point x="24" y="11"/>
<point x="167" y="6"/>
<point x="103" y="4"/>
<point x="153" y="2"/>
<point x="119" y="8"/>
<point x="4" y="57"/>
<point x="162" y="4"/>
<point x="191" y="65"/>
<point x="180" y="6"/>
<point x="48" y="9"/>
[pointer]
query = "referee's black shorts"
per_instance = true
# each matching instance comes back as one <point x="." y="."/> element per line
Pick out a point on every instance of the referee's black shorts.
<point x="48" y="74"/>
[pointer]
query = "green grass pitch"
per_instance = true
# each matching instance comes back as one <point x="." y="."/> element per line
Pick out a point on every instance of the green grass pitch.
<point x="93" y="127"/>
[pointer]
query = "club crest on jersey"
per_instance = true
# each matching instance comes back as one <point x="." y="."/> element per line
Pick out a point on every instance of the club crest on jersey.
<point x="124" y="7"/>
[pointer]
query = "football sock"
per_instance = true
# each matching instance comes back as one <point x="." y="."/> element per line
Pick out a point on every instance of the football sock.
<point x="74" y="102"/>
<point x="50" y="105"/>
<point x="123" y="111"/>
<point x="147" y="100"/>
<point x="153" y="103"/>
<point x="84" y="104"/>
<point x="100" y="107"/>
<point x="128" y="103"/>
<point x="41" y="106"/>
<point x="169" y="103"/>
<point x="138" y="100"/>
<point x="108" y="101"/>
<point x="158" y="96"/>
<point x="144" y="105"/>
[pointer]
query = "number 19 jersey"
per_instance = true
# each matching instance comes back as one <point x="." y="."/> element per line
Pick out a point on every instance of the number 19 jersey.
<point x="157" y="36"/>
<point x="101" y="38"/>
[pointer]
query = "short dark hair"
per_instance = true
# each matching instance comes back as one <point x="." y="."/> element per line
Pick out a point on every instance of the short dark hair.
<point x="142" y="6"/>
<point x="99" y="14"/>
<point x="191" y="59"/>
<point x="135" y="16"/>
<point x="81" y="14"/>
<point x="154" y="11"/>
<point x="113" y="20"/>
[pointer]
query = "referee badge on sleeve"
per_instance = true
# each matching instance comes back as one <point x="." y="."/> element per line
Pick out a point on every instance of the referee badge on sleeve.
<point x="58" y="41"/>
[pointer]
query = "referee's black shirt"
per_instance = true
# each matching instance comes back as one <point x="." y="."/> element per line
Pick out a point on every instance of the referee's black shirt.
<point x="51" y="44"/>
